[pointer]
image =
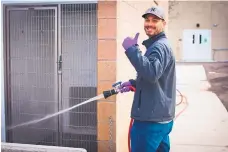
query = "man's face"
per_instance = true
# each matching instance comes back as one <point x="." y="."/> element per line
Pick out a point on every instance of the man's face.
<point x="153" y="25"/>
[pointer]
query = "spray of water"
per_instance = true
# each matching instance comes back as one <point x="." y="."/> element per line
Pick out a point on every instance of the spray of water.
<point x="58" y="113"/>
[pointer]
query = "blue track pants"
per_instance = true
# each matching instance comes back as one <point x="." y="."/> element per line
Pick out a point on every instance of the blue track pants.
<point x="150" y="136"/>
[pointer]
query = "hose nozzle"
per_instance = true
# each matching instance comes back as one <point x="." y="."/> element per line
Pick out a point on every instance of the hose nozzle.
<point x="113" y="91"/>
<point x="109" y="93"/>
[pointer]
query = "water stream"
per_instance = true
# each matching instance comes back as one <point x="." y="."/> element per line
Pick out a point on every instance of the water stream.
<point x="58" y="113"/>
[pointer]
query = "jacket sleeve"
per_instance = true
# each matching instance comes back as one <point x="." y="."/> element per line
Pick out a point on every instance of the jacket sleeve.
<point x="133" y="82"/>
<point x="150" y="67"/>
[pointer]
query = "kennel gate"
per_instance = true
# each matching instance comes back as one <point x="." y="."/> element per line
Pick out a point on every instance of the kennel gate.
<point x="51" y="61"/>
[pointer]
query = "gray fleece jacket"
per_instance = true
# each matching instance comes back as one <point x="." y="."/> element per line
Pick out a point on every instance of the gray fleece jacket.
<point x="155" y="96"/>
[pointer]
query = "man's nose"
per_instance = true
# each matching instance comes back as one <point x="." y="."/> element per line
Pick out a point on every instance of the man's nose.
<point x="150" y="23"/>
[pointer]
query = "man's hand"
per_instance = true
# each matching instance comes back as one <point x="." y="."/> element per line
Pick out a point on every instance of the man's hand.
<point x="125" y="87"/>
<point x="128" y="42"/>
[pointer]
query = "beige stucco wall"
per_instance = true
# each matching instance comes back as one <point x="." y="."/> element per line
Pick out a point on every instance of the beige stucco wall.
<point x="106" y="75"/>
<point x="129" y="22"/>
<point x="186" y="14"/>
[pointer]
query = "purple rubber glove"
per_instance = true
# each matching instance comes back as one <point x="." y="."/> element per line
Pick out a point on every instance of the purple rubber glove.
<point x="125" y="87"/>
<point x="128" y="42"/>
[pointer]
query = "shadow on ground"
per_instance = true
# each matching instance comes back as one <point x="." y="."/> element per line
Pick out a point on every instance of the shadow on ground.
<point x="217" y="75"/>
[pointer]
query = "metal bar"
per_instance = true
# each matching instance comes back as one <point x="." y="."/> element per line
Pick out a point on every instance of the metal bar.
<point x="56" y="70"/>
<point x="59" y="76"/>
<point x="28" y="8"/>
<point x="46" y="2"/>
<point x="3" y="83"/>
<point x="7" y="78"/>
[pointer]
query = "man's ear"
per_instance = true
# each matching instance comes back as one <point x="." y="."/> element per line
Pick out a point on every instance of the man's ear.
<point x="164" y="23"/>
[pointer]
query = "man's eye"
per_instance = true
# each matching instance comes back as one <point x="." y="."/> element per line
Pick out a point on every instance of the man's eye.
<point x="154" y="20"/>
<point x="147" y="20"/>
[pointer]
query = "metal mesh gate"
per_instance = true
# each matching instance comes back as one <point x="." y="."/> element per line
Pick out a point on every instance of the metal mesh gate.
<point x="79" y="76"/>
<point x="32" y="74"/>
<point x="52" y="63"/>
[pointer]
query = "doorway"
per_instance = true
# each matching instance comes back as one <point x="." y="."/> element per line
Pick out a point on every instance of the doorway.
<point x="197" y="45"/>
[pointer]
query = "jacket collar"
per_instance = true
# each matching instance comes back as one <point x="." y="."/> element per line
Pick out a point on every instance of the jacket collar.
<point x="147" y="43"/>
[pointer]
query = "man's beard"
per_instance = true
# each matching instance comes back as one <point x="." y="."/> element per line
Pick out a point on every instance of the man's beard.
<point x="155" y="31"/>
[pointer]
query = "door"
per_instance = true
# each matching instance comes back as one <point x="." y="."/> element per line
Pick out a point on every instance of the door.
<point x="197" y="45"/>
<point x="79" y="75"/>
<point x="32" y="74"/>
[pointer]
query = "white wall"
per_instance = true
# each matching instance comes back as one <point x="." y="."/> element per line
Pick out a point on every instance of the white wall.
<point x="186" y="14"/>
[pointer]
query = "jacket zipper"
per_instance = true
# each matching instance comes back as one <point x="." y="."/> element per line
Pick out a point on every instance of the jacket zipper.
<point x="139" y="104"/>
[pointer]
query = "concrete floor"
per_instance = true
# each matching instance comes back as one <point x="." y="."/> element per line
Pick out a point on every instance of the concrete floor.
<point x="203" y="126"/>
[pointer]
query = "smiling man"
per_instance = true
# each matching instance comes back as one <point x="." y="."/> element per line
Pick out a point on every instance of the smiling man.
<point x="153" y="108"/>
